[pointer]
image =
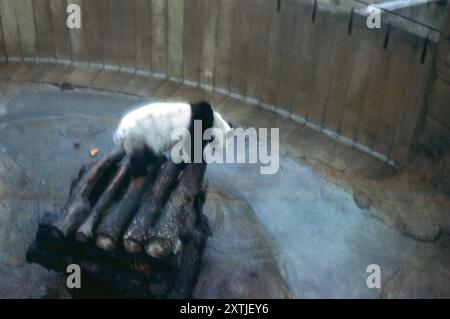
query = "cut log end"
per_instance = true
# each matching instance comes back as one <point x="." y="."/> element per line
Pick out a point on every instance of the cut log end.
<point x="158" y="248"/>
<point x="84" y="233"/>
<point x="149" y="211"/>
<point x="105" y="242"/>
<point x="132" y="246"/>
<point x="82" y="237"/>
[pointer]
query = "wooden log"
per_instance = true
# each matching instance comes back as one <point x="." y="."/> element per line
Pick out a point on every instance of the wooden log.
<point x="166" y="234"/>
<point x="83" y="169"/>
<point x="126" y="281"/>
<point x="85" y="232"/>
<point x="119" y="257"/>
<point x="126" y="275"/>
<point x="120" y="274"/>
<point x="113" y="224"/>
<point x="157" y="195"/>
<point x="185" y="280"/>
<point x="194" y="232"/>
<point x="78" y="205"/>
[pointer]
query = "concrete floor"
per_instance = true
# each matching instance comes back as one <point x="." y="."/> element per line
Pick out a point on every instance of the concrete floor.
<point x="322" y="241"/>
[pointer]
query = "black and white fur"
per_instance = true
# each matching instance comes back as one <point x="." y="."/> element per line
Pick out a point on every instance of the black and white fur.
<point x="146" y="132"/>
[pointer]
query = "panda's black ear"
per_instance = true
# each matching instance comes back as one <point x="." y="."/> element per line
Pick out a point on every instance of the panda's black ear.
<point x="203" y="105"/>
<point x="203" y="111"/>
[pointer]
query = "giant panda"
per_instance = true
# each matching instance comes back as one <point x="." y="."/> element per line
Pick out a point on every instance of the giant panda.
<point x="146" y="133"/>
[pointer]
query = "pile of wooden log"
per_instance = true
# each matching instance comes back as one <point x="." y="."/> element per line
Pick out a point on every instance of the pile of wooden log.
<point x="141" y="237"/>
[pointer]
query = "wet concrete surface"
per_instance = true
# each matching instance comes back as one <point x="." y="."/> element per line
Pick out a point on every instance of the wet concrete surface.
<point x="293" y="233"/>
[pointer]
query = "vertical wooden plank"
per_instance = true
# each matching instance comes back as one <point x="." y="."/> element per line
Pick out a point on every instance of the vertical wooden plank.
<point x="25" y="20"/>
<point x="60" y="30"/>
<point x="159" y="36"/>
<point x="401" y="57"/>
<point x="111" y="50"/>
<point x="77" y="38"/>
<point x="414" y="100"/>
<point x="252" y="21"/>
<point x="207" y="53"/>
<point x="373" y="99"/>
<point x="255" y="50"/>
<point x="326" y="41"/>
<point x="240" y="50"/>
<point x="273" y="56"/>
<point x="340" y="73"/>
<point x="363" y="39"/>
<point x="143" y="25"/>
<point x="307" y="59"/>
<point x="45" y="44"/>
<point x="291" y="42"/>
<point x="2" y="43"/>
<point x="224" y="34"/>
<point x="175" y="25"/>
<point x="10" y="30"/>
<point x="123" y="13"/>
<point x="192" y="39"/>
<point x="92" y="28"/>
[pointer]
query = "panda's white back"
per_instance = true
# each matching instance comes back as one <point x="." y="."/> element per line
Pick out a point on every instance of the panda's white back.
<point x="152" y="125"/>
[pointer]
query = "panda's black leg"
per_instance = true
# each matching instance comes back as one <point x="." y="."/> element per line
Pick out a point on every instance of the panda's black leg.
<point x="142" y="158"/>
<point x="139" y="162"/>
<point x="155" y="158"/>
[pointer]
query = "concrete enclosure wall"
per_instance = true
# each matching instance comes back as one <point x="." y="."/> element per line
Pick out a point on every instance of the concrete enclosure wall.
<point x="322" y="67"/>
